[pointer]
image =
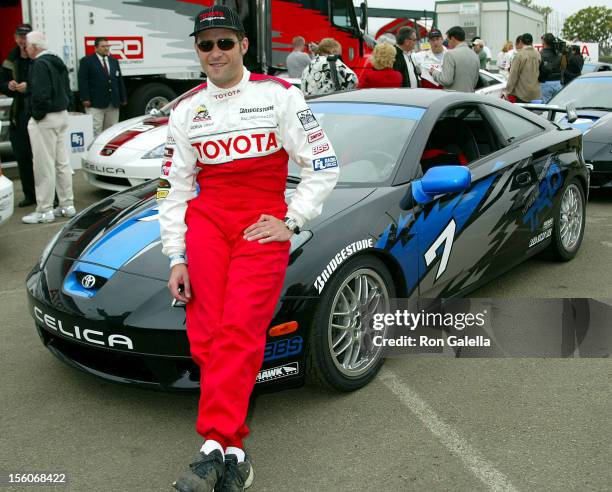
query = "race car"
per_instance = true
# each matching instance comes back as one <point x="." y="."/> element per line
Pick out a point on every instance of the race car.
<point x="6" y="198"/>
<point x="439" y="193"/>
<point x="591" y="96"/>
<point x="130" y="152"/>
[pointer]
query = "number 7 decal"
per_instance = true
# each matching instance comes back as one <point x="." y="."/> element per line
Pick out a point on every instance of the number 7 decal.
<point x="447" y="237"/>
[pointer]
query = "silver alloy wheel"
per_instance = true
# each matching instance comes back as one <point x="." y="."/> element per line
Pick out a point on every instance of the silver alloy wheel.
<point x="570" y="217"/>
<point x="156" y="102"/>
<point x="350" y="332"/>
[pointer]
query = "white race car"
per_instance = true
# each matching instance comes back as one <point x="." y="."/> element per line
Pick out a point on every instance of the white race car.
<point x="6" y="198"/>
<point x="131" y="152"/>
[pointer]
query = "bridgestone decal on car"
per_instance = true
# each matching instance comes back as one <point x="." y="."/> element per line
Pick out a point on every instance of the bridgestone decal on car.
<point x="337" y="260"/>
<point x="278" y="372"/>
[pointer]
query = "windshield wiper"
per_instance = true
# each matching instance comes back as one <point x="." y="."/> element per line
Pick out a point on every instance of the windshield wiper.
<point x="595" y="108"/>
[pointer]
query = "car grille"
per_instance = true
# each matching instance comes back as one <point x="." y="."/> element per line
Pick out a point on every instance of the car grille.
<point x="113" y="180"/>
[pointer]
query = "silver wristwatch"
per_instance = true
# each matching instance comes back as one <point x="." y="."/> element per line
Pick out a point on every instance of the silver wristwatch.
<point x="292" y="225"/>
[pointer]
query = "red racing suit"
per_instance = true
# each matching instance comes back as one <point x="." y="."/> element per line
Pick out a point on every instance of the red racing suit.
<point x="235" y="144"/>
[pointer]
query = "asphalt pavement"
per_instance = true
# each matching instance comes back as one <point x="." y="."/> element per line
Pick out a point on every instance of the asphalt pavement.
<point x="423" y="424"/>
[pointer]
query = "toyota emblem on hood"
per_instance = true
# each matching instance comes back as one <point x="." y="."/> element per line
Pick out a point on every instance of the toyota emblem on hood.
<point x="88" y="281"/>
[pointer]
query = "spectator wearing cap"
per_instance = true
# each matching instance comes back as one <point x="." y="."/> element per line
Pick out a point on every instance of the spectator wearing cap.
<point x="14" y="83"/>
<point x="383" y="75"/>
<point x="297" y="60"/>
<point x="522" y="85"/>
<point x="433" y="57"/>
<point x="48" y="98"/>
<point x="460" y="68"/>
<point x="101" y="86"/>
<point x="404" y="61"/>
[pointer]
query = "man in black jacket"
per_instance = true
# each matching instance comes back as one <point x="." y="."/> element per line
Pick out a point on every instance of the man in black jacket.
<point x="404" y="64"/>
<point x="550" y="68"/>
<point x="101" y="86"/>
<point x="13" y="83"/>
<point x="48" y="98"/>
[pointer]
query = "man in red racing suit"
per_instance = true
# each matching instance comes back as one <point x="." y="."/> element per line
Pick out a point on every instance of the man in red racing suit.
<point x="229" y="244"/>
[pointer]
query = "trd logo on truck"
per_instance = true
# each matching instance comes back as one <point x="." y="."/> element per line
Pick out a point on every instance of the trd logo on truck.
<point x="122" y="47"/>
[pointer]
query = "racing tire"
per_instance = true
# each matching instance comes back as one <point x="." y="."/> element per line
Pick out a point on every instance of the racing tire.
<point x="570" y="219"/>
<point x="154" y="93"/>
<point x="326" y="367"/>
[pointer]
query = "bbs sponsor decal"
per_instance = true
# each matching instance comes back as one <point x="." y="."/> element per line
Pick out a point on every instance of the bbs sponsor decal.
<point x="319" y="149"/>
<point x="285" y="371"/>
<point x="307" y="119"/>
<point x="122" y="47"/>
<point x="325" y="163"/>
<point x="283" y="348"/>
<point x="314" y="136"/>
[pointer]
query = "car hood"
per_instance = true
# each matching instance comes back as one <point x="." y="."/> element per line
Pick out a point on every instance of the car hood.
<point x="138" y="133"/>
<point x="121" y="233"/>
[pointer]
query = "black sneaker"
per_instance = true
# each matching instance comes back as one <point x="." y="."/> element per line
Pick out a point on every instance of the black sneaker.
<point x="237" y="476"/>
<point x="205" y="473"/>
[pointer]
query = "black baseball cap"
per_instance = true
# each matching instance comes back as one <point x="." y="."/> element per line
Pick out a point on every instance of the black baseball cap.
<point x="218" y="16"/>
<point x="434" y="33"/>
<point x="23" y="29"/>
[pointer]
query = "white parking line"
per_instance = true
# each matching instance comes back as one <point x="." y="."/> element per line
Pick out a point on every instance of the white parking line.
<point x="37" y="228"/>
<point x="478" y="465"/>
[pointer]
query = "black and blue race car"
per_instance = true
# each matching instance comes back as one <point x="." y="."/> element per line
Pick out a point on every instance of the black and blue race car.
<point x="591" y="95"/>
<point x="439" y="193"/>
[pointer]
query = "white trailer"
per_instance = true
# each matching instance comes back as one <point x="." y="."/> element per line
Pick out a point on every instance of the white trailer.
<point x="148" y="37"/>
<point x="494" y="21"/>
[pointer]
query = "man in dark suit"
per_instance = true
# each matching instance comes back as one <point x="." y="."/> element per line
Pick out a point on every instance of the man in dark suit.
<point x="404" y="64"/>
<point x="101" y="86"/>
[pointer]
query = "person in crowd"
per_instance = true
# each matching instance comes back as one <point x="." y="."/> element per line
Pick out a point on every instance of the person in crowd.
<point x="460" y="68"/>
<point x="404" y="61"/>
<point x="14" y="83"/>
<point x="228" y="244"/>
<point x="504" y="57"/>
<point x="433" y="57"/>
<point x="48" y="98"/>
<point x="550" y="69"/>
<point x="101" y="86"/>
<point x="297" y="60"/>
<point x="383" y="75"/>
<point x="326" y="72"/>
<point x="522" y="85"/>
<point x="478" y="47"/>
<point x="575" y="63"/>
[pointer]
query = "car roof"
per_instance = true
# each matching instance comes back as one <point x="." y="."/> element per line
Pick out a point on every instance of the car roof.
<point x="596" y="74"/>
<point x="405" y="97"/>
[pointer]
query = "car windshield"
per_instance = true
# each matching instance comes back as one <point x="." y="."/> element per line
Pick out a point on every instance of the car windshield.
<point x="367" y="138"/>
<point x="586" y="92"/>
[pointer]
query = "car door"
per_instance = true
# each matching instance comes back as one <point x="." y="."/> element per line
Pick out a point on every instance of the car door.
<point x="468" y="238"/>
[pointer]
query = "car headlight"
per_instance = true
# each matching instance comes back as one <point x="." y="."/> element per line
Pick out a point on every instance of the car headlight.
<point x="48" y="248"/>
<point x="299" y="240"/>
<point x="156" y="153"/>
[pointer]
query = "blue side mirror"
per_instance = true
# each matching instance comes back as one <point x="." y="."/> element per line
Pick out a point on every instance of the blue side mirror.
<point x="440" y="180"/>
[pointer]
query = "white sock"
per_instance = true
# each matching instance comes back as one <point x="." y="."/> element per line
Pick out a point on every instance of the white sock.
<point x="210" y="445"/>
<point x="239" y="453"/>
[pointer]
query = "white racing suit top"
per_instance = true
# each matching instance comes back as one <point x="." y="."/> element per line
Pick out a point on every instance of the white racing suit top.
<point x="257" y="118"/>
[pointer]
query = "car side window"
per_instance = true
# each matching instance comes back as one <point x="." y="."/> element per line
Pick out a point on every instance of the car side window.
<point x="488" y="81"/>
<point x="512" y="126"/>
<point x="460" y="136"/>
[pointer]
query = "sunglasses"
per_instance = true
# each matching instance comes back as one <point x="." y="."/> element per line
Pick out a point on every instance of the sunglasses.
<point x="222" y="44"/>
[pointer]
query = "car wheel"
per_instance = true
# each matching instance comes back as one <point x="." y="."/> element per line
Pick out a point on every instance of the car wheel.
<point x="568" y="229"/>
<point x="148" y="97"/>
<point x="340" y="352"/>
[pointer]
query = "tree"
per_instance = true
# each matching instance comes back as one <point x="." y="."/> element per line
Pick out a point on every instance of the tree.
<point x="591" y="25"/>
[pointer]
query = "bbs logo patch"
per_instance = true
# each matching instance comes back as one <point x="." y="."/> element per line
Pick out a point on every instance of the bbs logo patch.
<point x="319" y="149"/>
<point x="307" y="119"/>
